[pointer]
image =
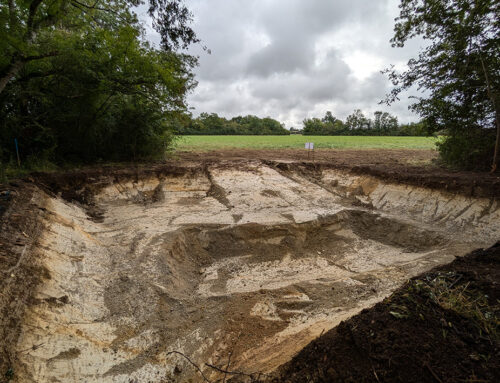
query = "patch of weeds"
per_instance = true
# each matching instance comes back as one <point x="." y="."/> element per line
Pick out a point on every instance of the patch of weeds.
<point x="10" y="170"/>
<point x="451" y="292"/>
<point x="399" y="311"/>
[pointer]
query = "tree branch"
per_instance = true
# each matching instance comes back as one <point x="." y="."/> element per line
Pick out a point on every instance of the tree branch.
<point x="94" y="6"/>
<point x="17" y="64"/>
<point x="14" y="67"/>
<point x="36" y="75"/>
<point x="31" y="19"/>
<point x="11" y="14"/>
<point x="39" y="57"/>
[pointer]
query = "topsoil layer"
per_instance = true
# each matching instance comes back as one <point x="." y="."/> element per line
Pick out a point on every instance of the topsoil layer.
<point x="412" y="167"/>
<point x="440" y="327"/>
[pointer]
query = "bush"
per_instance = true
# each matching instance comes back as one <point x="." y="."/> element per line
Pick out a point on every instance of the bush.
<point x="468" y="149"/>
<point x="107" y="95"/>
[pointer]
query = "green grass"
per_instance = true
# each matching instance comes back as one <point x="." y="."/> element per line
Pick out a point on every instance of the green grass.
<point x="11" y="170"/>
<point x="202" y="143"/>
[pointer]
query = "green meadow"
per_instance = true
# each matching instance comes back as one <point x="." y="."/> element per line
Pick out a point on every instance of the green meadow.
<point x="203" y="143"/>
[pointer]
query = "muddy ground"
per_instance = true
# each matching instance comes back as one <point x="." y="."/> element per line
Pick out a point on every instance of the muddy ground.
<point x="119" y="273"/>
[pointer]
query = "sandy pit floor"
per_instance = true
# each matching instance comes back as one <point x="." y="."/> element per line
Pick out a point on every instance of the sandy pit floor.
<point x="235" y="264"/>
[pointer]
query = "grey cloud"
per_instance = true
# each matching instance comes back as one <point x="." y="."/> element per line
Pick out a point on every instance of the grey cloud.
<point x="294" y="26"/>
<point x="285" y="58"/>
<point x="281" y="57"/>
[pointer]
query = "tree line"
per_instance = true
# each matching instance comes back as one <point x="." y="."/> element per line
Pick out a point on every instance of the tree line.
<point x="383" y="124"/>
<point x="356" y="124"/>
<point x="212" y="124"/>
<point x="80" y="83"/>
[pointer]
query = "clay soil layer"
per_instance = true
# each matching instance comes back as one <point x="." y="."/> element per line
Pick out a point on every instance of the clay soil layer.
<point x="237" y="260"/>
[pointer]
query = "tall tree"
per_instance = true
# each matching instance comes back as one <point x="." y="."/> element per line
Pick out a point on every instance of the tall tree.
<point x="329" y="118"/>
<point x="459" y="71"/>
<point x="384" y="122"/>
<point x="357" y="120"/>
<point x="87" y="86"/>
<point x="35" y="30"/>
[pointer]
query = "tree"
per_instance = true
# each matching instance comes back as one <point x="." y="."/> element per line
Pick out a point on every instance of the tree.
<point x="377" y="122"/>
<point x="384" y="123"/>
<point x="329" y="118"/>
<point x="212" y="124"/>
<point x="36" y="30"/>
<point x="313" y="127"/>
<point x="459" y="72"/>
<point x="357" y="120"/>
<point x="414" y="129"/>
<point x="102" y="92"/>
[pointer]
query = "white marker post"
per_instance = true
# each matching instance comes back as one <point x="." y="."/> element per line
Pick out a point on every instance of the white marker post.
<point x="309" y="148"/>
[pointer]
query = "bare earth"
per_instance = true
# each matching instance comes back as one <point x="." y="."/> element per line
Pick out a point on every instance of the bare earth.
<point x="248" y="254"/>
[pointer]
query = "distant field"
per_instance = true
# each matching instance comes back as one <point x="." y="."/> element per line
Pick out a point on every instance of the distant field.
<point x="197" y="143"/>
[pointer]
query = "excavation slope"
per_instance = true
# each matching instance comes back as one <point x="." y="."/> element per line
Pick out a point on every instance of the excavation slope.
<point x="240" y="262"/>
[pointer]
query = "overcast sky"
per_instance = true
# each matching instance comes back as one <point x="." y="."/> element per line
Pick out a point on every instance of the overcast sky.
<point x="294" y="59"/>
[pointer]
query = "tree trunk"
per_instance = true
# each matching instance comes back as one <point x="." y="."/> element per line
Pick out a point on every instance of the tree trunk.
<point x="14" y="68"/>
<point x="497" y="143"/>
<point x="17" y="60"/>
<point x="493" y="99"/>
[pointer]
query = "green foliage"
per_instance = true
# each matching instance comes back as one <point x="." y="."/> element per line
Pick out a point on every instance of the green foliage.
<point x="414" y="129"/>
<point x="328" y="126"/>
<point x="88" y="87"/>
<point x="459" y="71"/>
<point x="357" y="121"/>
<point x="470" y="302"/>
<point x="470" y="149"/>
<point x="357" y="124"/>
<point x="212" y="124"/>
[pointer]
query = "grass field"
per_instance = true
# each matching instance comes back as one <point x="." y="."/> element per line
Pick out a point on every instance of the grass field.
<point x="197" y="143"/>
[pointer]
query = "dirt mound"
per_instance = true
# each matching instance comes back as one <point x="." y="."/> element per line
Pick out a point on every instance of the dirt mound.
<point x="439" y="327"/>
<point x="412" y="167"/>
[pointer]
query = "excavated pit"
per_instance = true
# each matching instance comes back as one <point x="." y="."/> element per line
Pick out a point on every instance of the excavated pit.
<point x="247" y="262"/>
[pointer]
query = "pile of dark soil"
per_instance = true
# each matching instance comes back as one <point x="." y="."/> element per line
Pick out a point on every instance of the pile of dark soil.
<point x="442" y="326"/>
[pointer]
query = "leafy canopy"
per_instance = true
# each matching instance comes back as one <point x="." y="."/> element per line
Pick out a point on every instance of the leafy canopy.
<point x="79" y="82"/>
<point x="357" y="124"/>
<point x="458" y="72"/>
<point x="212" y="124"/>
